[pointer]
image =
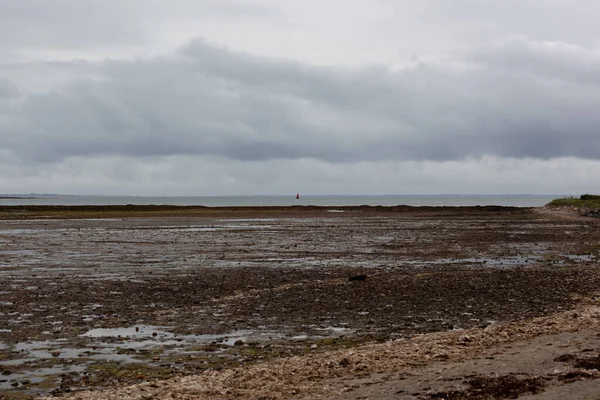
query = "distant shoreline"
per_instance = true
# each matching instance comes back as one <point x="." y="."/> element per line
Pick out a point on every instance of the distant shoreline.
<point x="149" y="211"/>
<point x="39" y="199"/>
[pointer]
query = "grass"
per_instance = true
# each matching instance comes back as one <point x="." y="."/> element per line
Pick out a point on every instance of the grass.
<point x="586" y="200"/>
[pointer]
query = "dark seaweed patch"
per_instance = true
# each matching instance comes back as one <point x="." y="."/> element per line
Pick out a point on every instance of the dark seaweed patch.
<point x="502" y="387"/>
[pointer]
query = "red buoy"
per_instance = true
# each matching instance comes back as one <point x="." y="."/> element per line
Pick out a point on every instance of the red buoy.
<point x="297" y="196"/>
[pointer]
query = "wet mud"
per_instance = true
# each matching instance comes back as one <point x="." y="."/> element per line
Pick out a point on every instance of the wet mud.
<point x="94" y="302"/>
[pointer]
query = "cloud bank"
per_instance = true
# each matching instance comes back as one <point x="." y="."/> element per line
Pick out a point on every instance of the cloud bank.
<point x="515" y="98"/>
<point x="204" y="97"/>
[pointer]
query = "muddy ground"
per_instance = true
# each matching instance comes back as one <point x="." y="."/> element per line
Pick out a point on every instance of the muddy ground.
<point x="95" y="302"/>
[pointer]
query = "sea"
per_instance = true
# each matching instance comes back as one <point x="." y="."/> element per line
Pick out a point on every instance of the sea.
<point x="515" y="200"/>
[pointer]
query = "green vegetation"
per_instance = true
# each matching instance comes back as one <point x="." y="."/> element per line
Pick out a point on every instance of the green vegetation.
<point x="586" y="200"/>
<point x="593" y="197"/>
<point x="118" y="372"/>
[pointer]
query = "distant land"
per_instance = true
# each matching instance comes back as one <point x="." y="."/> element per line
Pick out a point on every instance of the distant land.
<point x="37" y="199"/>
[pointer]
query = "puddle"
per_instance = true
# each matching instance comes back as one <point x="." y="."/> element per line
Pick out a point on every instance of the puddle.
<point x="126" y="345"/>
<point x="53" y="350"/>
<point x="19" y="253"/>
<point x="7" y="382"/>
<point x="138" y="331"/>
<point x="59" y="370"/>
<point x="19" y="231"/>
<point x="102" y="219"/>
<point x="241" y="226"/>
<point x="192" y="229"/>
<point x="295" y="259"/>
<point x="336" y="329"/>
<point x="250" y="220"/>
<point x="62" y="353"/>
<point x="504" y="261"/>
<point x="19" y="361"/>
<point x="43" y="269"/>
<point x="210" y="228"/>
<point x="222" y="227"/>
<point x="47" y="349"/>
<point x="154" y="336"/>
<point x="501" y="261"/>
<point x="114" y="357"/>
<point x="329" y="331"/>
<point x="583" y="258"/>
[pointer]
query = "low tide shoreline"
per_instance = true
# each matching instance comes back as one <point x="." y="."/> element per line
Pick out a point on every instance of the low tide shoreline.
<point x="95" y="300"/>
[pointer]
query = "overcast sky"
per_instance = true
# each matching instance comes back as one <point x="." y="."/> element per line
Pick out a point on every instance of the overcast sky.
<point x="225" y="97"/>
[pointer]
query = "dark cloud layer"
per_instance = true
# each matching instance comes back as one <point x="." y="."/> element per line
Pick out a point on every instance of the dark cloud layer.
<point x="515" y="98"/>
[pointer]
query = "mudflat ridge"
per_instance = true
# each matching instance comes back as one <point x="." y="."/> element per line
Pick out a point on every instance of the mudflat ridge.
<point x="133" y="210"/>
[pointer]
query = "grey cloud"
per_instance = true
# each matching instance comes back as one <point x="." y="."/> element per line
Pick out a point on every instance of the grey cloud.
<point x="207" y="100"/>
<point x="7" y="89"/>
<point x="572" y="21"/>
<point x="73" y="24"/>
<point x="61" y="23"/>
<point x="548" y="59"/>
<point x="193" y="175"/>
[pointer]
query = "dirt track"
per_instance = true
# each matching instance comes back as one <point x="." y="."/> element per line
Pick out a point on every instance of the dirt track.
<point x="216" y="289"/>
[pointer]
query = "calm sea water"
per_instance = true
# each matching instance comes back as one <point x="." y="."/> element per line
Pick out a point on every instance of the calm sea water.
<point x="222" y="201"/>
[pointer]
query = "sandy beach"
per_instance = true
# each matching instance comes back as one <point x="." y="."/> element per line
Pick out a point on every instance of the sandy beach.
<point x="298" y="302"/>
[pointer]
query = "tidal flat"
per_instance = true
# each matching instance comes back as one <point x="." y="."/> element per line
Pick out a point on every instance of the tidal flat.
<point x="94" y="298"/>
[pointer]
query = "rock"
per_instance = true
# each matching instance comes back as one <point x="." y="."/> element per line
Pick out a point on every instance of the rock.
<point x="360" y="367"/>
<point x="357" y="278"/>
<point x="464" y="340"/>
<point x="238" y="343"/>
<point x="589" y="212"/>
<point x="565" y="358"/>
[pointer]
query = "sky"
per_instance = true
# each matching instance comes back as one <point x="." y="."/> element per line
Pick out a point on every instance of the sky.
<point x="265" y="97"/>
